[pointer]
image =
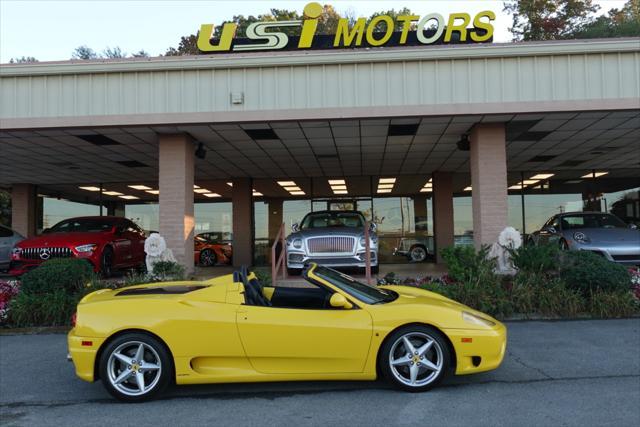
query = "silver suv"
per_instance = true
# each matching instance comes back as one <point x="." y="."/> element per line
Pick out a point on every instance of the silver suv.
<point x="333" y="239"/>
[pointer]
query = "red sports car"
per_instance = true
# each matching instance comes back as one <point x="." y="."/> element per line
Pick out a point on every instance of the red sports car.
<point x="108" y="243"/>
<point x="209" y="251"/>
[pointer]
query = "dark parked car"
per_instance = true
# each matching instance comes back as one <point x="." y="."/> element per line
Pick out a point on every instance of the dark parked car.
<point x="107" y="243"/>
<point x="602" y="233"/>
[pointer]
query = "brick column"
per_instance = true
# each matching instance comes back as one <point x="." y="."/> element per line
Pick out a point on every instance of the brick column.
<point x="176" y="164"/>
<point x="442" y="212"/>
<point x="488" y="160"/>
<point x="243" y="228"/>
<point x="23" y="209"/>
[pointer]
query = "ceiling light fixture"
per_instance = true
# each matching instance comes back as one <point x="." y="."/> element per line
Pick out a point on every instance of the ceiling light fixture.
<point x="337" y="182"/>
<point x="595" y="174"/>
<point x="467" y="188"/>
<point x="542" y="176"/>
<point x="201" y="191"/>
<point x="129" y="197"/>
<point x="112" y="193"/>
<point x="139" y="187"/>
<point x="156" y="192"/>
<point x="90" y="188"/>
<point x="212" y="195"/>
<point x="256" y="193"/>
<point x="286" y="183"/>
<point x="387" y="181"/>
<point x="230" y="184"/>
<point x="297" y="193"/>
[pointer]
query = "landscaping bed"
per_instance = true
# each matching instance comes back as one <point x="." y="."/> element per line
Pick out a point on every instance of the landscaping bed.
<point x="549" y="284"/>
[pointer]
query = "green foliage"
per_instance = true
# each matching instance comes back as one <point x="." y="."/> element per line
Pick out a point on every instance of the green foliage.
<point x="612" y="304"/>
<point x="67" y="274"/>
<point x="264" y="277"/>
<point x="168" y="270"/>
<point x="586" y="272"/>
<point x="5" y="208"/>
<point x="466" y="265"/>
<point x="51" y="309"/>
<point x="535" y="258"/>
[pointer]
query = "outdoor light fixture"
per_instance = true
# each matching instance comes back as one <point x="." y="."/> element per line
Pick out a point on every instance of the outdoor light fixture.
<point x="464" y="144"/>
<point x="139" y="187"/>
<point x="594" y="174"/>
<point x="201" y="153"/>
<point x="90" y="188"/>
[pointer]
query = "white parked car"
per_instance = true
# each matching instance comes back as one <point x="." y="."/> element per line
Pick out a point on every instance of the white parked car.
<point x="8" y="239"/>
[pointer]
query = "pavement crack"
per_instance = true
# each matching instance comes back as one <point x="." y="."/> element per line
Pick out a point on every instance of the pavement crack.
<point x="521" y="362"/>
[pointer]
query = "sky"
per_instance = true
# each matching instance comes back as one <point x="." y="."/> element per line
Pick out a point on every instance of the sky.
<point x="50" y="30"/>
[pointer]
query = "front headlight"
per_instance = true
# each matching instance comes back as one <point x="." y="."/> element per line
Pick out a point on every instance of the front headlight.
<point x="580" y="237"/>
<point x="476" y="320"/>
<point x="296" y="243"/>
<point x="86" y="248"/>
<point x="16" y="251"/>
<point x="372" y="241"/>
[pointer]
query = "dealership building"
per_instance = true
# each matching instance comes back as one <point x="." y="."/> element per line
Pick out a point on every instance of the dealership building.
<point x="436" y="144"/>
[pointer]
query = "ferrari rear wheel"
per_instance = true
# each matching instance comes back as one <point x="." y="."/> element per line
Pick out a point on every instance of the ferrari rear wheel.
<point x="208" y="258"/>
<point x="415" y="358"/>
<point x="135" y="367"/>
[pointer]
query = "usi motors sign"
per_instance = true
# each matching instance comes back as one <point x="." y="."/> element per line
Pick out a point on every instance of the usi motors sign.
<point x="383" y="30"/>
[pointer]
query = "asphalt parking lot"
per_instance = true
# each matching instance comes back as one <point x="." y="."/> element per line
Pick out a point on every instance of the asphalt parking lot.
<point x="582" y="373"/>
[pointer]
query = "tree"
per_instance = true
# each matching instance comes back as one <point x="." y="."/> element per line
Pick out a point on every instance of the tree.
<point x="617" y="23"/>
<point x="549" y="19"/>
<point x="84" y="52"/>
<point x="5" y="208"/>
<point x="22" y="60"/>
<point x="394" y="15"/>
<point x="113" y="53"/>
<point x="140" y="54"/>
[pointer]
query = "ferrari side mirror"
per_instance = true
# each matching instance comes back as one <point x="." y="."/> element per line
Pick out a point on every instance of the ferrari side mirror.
<point x="339" y="301"/>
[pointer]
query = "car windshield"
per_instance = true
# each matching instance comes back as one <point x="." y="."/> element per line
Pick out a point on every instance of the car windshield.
<point x="83" y="225"/>
<point x="332" y="219"/>
<point x="574" y="222"/>
<point x="365" y="293"/>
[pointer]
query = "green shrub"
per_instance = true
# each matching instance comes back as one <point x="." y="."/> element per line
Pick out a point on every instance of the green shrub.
<point x="535" y="258"/>
<point x="587" y="272"/>
<point x="554" y="298"/>
<point x="467" y="265"/>
<point x="264" y="277"/>
<point x="50" y="309"/>
<point x="168" y="270"/>
<point x="68" y="274"/>
<point x="612" y="304"/>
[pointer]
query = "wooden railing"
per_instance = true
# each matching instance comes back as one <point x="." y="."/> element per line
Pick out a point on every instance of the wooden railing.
<point x="280" y="262"/>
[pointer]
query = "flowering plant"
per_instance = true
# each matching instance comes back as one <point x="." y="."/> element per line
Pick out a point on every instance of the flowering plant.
<point x="635" y="282"/>
<point x="8" y="289"/>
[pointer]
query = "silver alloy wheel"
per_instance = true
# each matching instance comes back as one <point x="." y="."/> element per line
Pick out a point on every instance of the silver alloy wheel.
<point x="416" y="359"/>
<point x="418" y="254"/>
<point x="134" y="368"/>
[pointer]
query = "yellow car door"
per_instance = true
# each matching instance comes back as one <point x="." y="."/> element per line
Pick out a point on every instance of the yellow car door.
<point x="315" y="341"/>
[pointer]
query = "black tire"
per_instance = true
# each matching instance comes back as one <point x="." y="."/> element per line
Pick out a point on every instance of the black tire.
<point x="294" y="271"/>
<point x="418" y="253"/>
<point x="120" y="344"/>
<point x="208" y="258"/>
<point x="437" y="355"/>
<point x="106" y="262"/>
<point x="375" y="269"/>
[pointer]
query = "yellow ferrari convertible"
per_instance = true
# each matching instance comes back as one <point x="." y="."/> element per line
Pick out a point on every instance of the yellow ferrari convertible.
<point x="139" y="339"/>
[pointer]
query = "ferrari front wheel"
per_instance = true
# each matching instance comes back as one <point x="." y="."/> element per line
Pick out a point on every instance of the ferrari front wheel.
<point x="135" y="367"/>
<point x="415" y="358"/>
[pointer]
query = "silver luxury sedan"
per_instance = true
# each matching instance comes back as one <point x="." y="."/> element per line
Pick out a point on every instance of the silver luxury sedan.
<point x="8" y="239"/>
<point x="602" y="233"/>
<point x="332" y="239"/>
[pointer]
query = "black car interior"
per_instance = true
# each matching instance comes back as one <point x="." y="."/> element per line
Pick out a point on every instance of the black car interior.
<point x="283" y="297"/>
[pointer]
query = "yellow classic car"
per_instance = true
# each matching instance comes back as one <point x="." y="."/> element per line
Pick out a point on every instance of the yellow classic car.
<point x="139" y="339"/>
